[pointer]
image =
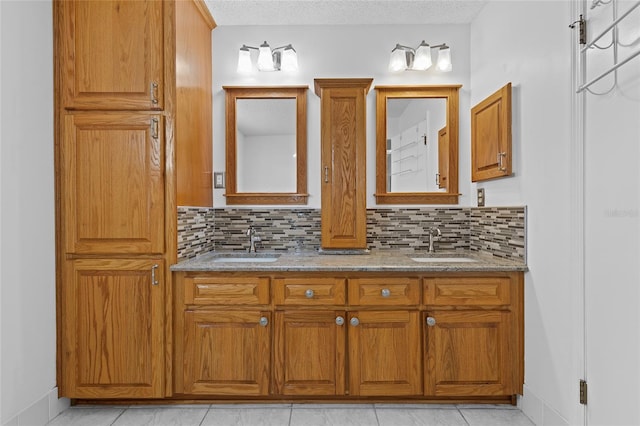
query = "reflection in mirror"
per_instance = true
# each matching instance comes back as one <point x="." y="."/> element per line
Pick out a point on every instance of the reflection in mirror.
<point x="417" y="144"/>
<point x="413" y="125"/>
<point x="266" y="145"/>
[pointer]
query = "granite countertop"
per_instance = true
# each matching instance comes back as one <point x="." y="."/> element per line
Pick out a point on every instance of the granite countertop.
<point x="375" y="261"/>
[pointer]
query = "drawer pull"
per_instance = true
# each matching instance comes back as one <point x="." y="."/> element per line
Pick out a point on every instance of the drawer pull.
<point x="309" y="294"/>
<point x="154" y="280"/>
<point x="339" y="320"/>
<point x="385" y="292"/>
<point x="354" y="321"/>
<point x="264" y="321"/>
<point x="431" y="321"/>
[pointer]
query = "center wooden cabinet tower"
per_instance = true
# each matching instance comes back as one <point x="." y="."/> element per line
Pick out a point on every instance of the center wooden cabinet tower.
<point x="132" y="142"/>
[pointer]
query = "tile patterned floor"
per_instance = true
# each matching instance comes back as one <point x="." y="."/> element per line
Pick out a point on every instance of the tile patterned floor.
<point x="294" y="415"/>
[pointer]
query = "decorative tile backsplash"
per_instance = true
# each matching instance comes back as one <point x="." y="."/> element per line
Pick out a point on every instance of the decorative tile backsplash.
<point x="499" y="230"/>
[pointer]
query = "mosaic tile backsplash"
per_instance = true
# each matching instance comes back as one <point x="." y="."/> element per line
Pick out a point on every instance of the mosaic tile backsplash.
<point x="498" y="230"/>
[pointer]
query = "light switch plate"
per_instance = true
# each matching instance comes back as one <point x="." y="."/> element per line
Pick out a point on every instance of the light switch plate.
<point x="480" y="197"/>
<point x="218" y="179"/>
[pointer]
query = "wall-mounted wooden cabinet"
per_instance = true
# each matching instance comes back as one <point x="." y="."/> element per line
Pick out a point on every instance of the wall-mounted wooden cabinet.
<point x="343" y="162"/>
<point x="491" y="136"/>
<point x="119" y="99"/>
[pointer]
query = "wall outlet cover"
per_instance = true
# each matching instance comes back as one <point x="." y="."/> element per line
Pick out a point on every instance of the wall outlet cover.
<point x="480" y="197"/>
<point x="218" y="180"/>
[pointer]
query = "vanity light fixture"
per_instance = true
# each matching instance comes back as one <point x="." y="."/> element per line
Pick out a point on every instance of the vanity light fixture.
<point x="283" y="58"/>
<point x="419" y="59"/>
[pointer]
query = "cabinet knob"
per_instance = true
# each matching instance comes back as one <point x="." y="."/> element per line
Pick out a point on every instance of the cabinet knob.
<point x="385" y="292"/>
<point x="339" y="320"/>
<point x="354" y="321"/>
<point x="264" y="321"/>
<point x="431" y="321"/>
<point x="308" y="293"/>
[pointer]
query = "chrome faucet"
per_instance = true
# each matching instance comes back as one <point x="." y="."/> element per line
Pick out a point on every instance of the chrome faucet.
<point x="433" y="234"/>
<point x="253" y="239"/>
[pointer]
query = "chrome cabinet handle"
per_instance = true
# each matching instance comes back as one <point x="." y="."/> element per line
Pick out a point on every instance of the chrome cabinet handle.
<point x="326" y="174"/>
<point x="501" y="156"/>
<point x="354" y="321"/>
<point x="154" y="93"/>
<point x="385" y="292"/>
<point x="339" y="320"/>
<point x="431" y="321"/>
<point x="309" y="294"/>
<point x="264" y="321"/>
<point x="154" y="281"/>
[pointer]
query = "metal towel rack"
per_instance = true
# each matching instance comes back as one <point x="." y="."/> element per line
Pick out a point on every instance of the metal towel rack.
<point x="617" y="64"/>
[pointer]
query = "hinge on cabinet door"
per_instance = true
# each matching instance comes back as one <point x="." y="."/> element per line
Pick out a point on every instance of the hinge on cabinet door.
<point x="583" y="392"/>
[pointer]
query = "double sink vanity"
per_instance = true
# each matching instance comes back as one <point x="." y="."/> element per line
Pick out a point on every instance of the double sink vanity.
<point x="385" y="326"/>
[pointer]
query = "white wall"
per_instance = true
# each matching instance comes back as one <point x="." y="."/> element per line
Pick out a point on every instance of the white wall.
<point x="526" y="43"/>
<point x="27" y="268"/>
<point x="335" y="52"/>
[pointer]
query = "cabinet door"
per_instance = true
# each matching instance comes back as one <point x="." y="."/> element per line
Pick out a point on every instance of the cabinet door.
<point x="112" y="54"/>
<point x="344" y="221"/>
<point x="384" y="353"/>
<point x="469" y="354"/>
<point x="491" y="136"/>
<point x="113" y="183"/>
<point x="310" y="353"/>
<point x="227" y="352"/>
<point x="113" y="329"/>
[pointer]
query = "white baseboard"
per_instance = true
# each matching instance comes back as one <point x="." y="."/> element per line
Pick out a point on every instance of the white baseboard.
<point x="42" y="411"/>
<point x="538" y="411"/>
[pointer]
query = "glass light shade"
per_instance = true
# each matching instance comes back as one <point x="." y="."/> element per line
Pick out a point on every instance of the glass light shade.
<point x="244" y="61"/>
<point x="422" y="59"/>
<point x="265" y="60"/>
<point x="289" y="59"/>
<point x="444" y="59"/>
<point x="398" y="60"/>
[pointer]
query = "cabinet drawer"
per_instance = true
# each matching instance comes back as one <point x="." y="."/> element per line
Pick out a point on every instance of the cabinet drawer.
<point x="467" y="291"/>
<point x="384" y="291"/>
<point x="309" y="291"/>
<point x="226" y="291"/>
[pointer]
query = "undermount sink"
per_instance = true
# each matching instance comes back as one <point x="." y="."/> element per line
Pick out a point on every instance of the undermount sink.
<point x="246" y="257"/>
<point x="436" y="259"/>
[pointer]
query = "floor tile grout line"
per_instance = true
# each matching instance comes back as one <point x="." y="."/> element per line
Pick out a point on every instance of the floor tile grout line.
<point x="463" y="417"/>
<point x="290" y="413"/>
<point x="205" y="415"/>
<point x="119" y="415"/>
<point x="375" y="411"/>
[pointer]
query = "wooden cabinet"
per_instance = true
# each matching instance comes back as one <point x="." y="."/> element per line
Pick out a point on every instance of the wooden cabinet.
<point x="349" y="336"/>
<point x="111" y="54"/>
<point x="442" y="178"/>
<point x="113" y="181"/>
<point x="384" y="353"/>
<point x="491" y="136"/>
<point x="127" y="74"/>
<point x="226" y="352"/>
<point x="113" y="328"/>
<point x="343" y="162"/>
<point x="473" y="335"/>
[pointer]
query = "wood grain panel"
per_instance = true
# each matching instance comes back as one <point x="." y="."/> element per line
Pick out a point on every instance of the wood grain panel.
<point x="293" y="291"/>
<point x="114" y="183"/>
<point x="467" y="291"/>
<point x="309" y="353"/>
<point x="371" y="291"/>
<point x="226" y="291"/>
<point x="118" y="75"/>
<point x="491" y="136"/>
<point x="443" y="158"/>
<point x="116" y="327"/>
<point x="468" y="354"/>
<point x="384" y="353"/>
<point x="226" y="353"/>
<point x="194" y="163"/>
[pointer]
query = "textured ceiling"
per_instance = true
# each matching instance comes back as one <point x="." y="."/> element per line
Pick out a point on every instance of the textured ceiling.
<point x="338" y="12"/>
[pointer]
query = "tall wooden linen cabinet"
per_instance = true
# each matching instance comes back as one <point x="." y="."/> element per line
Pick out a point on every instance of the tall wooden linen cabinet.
<point x="132" y="142"/>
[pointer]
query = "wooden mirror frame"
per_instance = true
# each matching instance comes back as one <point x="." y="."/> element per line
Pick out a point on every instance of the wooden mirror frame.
<point x="384" y="93"/>
<point x="299" y="93"/>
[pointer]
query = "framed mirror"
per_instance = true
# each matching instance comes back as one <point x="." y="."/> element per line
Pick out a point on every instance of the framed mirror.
<point x="417" y="144"/>
<point x="266" y="145"/>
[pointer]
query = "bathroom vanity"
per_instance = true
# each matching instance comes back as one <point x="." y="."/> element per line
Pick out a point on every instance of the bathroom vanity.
<point x="387" y="326"/>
